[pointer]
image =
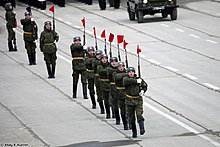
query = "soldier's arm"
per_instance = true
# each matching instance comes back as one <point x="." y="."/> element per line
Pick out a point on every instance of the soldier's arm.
<point x="56" y="36"/>
<point x="129" y="81"/>
<point x="88" y="60"/>
<point x="120" y="76"/>
<point x="25" y="21"/>
<point x="41" y="41"/>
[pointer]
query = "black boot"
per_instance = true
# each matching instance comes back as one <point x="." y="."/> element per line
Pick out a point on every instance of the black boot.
<point x="30" y="59"/>
<point x="117" y="116"/>
<point x="10" y="46"/>
<point x="134" y="130"/>
<point x="33" y="57"/>
<point x="53" y="71"/>
<point x="141" y="125"/>
<point x="84" y="86"/>
<point x="74" y="91"/>
<point x="102" y="107"/>
<point x="107" y="109"/>
<point x="49" y="71"/>
<point x="125" y="123"/>
<point x="93" y="101"/>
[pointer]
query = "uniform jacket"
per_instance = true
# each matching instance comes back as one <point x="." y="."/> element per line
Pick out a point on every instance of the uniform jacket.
<point x="102" y="71"/>
<point x="118" y="77"/>
<point x="110" y="71"/>
<point x="30" y="29"/>
<point x="11" y="20"/>
<point x="88" y="63"/>
<point x="95" y="64"/>
<point x="47" y="39"/>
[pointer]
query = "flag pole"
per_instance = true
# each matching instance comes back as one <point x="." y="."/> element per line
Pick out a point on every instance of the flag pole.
<point x="119" y="56"/>
<point x="96" y="44"/>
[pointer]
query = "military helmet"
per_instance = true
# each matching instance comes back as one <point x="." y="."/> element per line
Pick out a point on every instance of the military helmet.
<point x="7" y="6"/>
<point x="77" y="38"/>
<point x="27" y="13"/>
<point x="47" y="22"/>
<point x="104" y="56"/>
<point x="113" y="59"/>
<point x="130" y="69"/>
<point x="98" y="52"/>
<point x="120" y="64"/>
<point x="90" y="48"/>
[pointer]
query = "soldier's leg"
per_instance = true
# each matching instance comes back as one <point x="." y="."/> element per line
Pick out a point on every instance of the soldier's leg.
<point x="84" y="83"/>
<point x="89" y="2"/>
<point x="139" y="113"/>
<point x="107" y="103"/>
<point x="123" y="113"/>
<point x="131" y="118"/>
<point x="92" y="92"/>
<point x="75" y="82"/>
<point x="10" y="38"/>
<point x="28" y="49"/>
<point x="116" y="109"/>
<point x="99" y="95"/>
<point x="48" y="62"/>
<point x="102" y="4"/>
<point x="111" y="3"/>
<point x="33" y="52"/>
<point x="14" y="40"/>
<point x="53" y="63"/>
<point x="117" y="4"/>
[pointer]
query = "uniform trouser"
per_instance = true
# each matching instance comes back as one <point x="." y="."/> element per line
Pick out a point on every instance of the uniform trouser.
<point x="134" y="106"/>
<point x="30" y="46"/>
<point x="50" y="59"/>
<point x="98" y="91"/>
<point x="91" y="88"/>
<point x="116" y="3"/>
<point x="11" y="39"/>
<point x="76" y="79"/>
<point x="102" y="4"/>
<point x="122" y="106"/>
<point x="105" y="97"/>
<point x="114" y="102"/>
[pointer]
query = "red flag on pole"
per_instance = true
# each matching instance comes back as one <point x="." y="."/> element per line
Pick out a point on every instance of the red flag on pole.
<point x="120" y="38"/>
<point x="111" y="37"/>
<point x="83" y="21"/>
<point x="51" y="9"/>
<point x="94" y="31"/>
<point x="138" y="49"/>
<point x="103" y="34"/>
<point x="125" y="44"/>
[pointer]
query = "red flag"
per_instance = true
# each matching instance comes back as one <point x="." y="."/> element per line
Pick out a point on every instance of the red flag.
<point x="120" y="38"/>
<point x="111" y="37"/>
<point x="103" y="34"/>
<point x="138" y="49"/>
<point x="94" y="31"/>
<point x="83" y="21"/>
<point x="125" y="44"/>
<point x="51" y="9"/>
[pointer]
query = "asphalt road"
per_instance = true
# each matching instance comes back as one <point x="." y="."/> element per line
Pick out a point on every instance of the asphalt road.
<point x="179" y="60"/>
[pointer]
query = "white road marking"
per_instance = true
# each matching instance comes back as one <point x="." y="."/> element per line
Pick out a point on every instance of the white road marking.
<point x="192" y="35"/>
<point x="142" y="56"/>
<point x="67" y="22"/>
<point x="211" y="86"/>
<point x="190" y="76"/>
<point x="58" y="18"/>
<point x="180" y="30"/>
<point x="89" y="32"/>
<point x="211" y="41"/>
<point x="171" y="68"/>
<point x="182" y="124"/>
<point x="64" y="58"/>
<point x="153" y="61"/>
<point x="77" y="27"/>
<point x="165" y="25"/>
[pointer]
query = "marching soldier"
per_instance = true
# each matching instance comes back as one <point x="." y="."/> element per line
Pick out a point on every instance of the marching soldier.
<point x="48" y="47"/>
<point x="104" y="82"/>
<point x="90" y="74"/>
<point x="118" y="77"/>
<point x="11" y="25"/>
<point x="134" y="101"/>
<point x="95" y="65"/>
<point x="114" y="101"/>
<point x="78" y="66"/>
<point x="30" y="35"/>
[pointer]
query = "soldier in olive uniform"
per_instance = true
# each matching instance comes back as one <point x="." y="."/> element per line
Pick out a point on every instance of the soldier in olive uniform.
<point x="104" y="83"/>
<point x="48" y="47"/>
<point x="118" y="77"/>
<point x="134" y="101"/>
<point x="114" y="101"/>
<point x="95" y="65"/>
<point x="11" y="25"/>
<point x="90" y="74"/>
<point x="30" y="35"/>
<point x="78" y="66"/>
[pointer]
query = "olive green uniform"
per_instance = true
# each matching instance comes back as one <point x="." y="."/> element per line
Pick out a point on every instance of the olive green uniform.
<point x="11" y="23"/>
<point x="104" y="86"/>
<point x="120" y="94"/>
<point x="90" y="76"/>
<point x="78" y="66"/>
<point x="48" y="47"/>
<point x="30" y="35"/>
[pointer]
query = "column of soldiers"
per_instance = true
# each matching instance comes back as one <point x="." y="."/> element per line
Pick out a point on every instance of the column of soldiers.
<point x="116" y="87"/>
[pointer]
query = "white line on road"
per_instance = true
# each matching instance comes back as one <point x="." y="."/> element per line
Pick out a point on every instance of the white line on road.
<point x="211" y="41"/>
<point x="211" y="86"/>
<point x="190" y="76"/>
<point x="58" y="18"/>
<point x="165" y="25"/>
<point x="171" y="68"/>
<point x="77" y="27"/>
<point x="182" y="124"/>
<point x="67" y="22"/>
<point x="180" y="30"/>
<point x="192" y="35"/>
<point x="65" y="59"/>
<point x="153" y="61"/>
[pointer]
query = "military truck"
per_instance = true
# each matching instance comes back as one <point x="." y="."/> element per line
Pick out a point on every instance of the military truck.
<point x="139" y="8"/>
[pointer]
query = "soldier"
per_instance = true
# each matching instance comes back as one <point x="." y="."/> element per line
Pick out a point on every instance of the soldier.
<point x="95" y="64"/>
<point x="114" y="101"/>
<point x="90" y="74"/>
<point x="30" y="35"/>
<point x="134" y="101"/>
<point x="104" y="83"/>
<point x="48" y="47"/>
<point x="118" y="77"/>
<point x="78" y="66"/>
<point x="11" y="25"/>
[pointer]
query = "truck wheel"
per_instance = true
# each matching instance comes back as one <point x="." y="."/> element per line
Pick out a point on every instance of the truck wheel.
<point x="131" y="14"/>
<point x="164" y="14"/>
<point x="173" y="14"/>
<point x="140" y="16"/>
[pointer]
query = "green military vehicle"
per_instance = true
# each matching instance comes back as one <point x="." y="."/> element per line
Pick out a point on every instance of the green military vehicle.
<point x="139" y="8"/>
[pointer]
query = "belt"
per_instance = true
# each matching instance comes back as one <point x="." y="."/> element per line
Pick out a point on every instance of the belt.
<point x="97" y="75"/>
<point x="104" y="80"/>
<point x="132" y="97"/>
<point x="78" y="58"/>
<point x="28" y="33"/>
<point x="89" y="70"/>
<point x="113" y="83"/>
<point x="120" y="88"/>
<point x="48" y="43"/>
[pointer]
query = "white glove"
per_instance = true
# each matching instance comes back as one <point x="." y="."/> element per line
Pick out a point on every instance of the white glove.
<point x="142" y="92"/>
<point x="139" y="81"/>
<point x="32" y="19"/>
<point x="14" y="29"/>
<point x="85" y="47"/>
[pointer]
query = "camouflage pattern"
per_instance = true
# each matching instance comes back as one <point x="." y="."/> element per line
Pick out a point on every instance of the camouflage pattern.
<point x="90" y="73"/>
<point x="95" y="64"/>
